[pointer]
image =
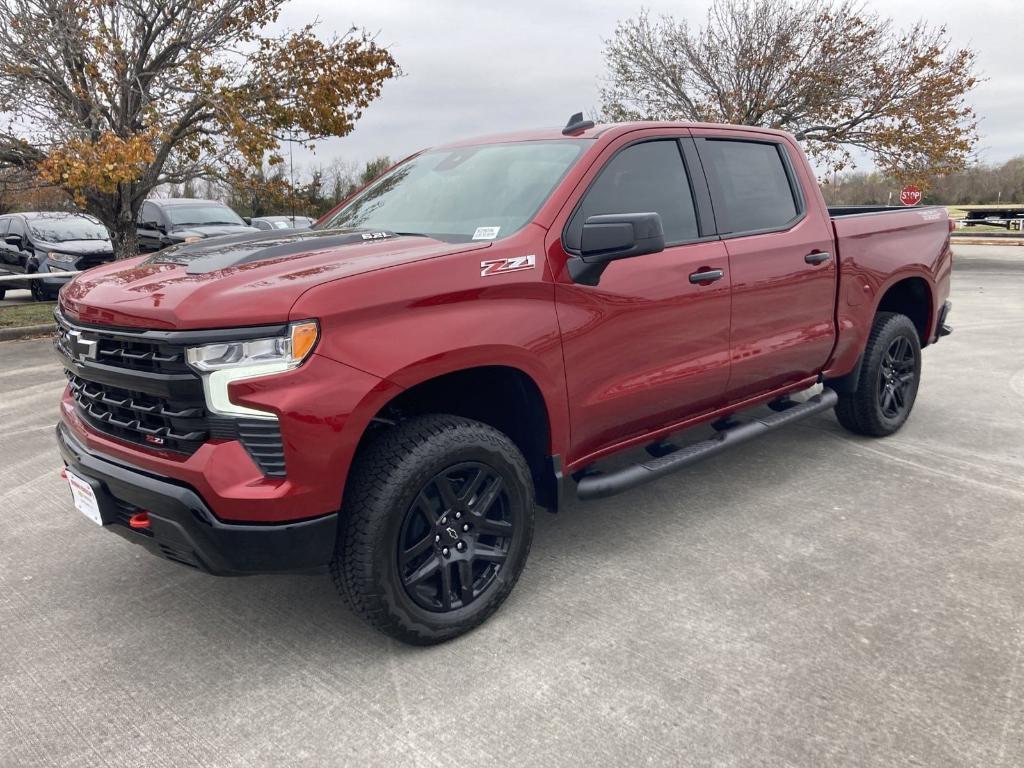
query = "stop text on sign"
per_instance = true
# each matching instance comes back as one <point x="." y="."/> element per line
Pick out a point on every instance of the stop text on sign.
<point x="910" y="195"/>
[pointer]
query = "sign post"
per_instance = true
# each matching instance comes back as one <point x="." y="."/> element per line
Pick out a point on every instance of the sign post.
<point x="910" y="195"/>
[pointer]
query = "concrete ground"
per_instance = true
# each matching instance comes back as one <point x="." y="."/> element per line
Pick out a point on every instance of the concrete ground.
<point x="812" y="599"/>
<point x="13" y="297"/>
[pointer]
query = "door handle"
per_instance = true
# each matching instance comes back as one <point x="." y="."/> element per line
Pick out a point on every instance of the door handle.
<point x="817" y="257"/>
<point x="707" y="276"/>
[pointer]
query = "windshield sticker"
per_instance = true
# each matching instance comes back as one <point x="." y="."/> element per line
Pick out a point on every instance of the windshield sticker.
<point x="501" y="266"/>
<point x="486" y="233"/>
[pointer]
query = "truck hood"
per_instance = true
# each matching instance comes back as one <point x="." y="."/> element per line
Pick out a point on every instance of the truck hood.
<point x="239" y="280"/>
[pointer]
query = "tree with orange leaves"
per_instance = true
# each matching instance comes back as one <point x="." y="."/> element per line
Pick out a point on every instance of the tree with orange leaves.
<point x="840" y="78"/>
<point x="111" y="98"/>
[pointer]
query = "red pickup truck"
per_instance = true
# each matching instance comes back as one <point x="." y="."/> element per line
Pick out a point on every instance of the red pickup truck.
<point x="394" y="392"/>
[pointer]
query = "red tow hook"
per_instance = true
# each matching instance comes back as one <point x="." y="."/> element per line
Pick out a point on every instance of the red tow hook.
<point x="64" y="473"/>
<point x="139" y="520"/>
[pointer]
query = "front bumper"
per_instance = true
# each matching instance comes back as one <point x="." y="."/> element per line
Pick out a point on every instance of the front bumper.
<point x="184" y="530"/>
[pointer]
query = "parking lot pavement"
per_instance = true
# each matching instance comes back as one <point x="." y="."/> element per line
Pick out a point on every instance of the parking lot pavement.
<point x="13" y="297"/>
<point x="812" y="599"/>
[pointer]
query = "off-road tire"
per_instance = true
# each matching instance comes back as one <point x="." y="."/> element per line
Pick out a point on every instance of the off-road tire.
<point x="862" y="411"/>
<point x="386" y="478"/>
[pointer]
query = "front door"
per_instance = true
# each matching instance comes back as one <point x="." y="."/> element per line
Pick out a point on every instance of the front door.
<point x="647" y="346"/>
<point x="148" y="231"/>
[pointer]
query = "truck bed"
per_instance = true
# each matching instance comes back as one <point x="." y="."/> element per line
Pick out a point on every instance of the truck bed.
<point x="876" y="247"/>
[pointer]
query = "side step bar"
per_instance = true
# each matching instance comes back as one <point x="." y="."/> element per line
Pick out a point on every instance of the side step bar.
<point x="600" y="485"/>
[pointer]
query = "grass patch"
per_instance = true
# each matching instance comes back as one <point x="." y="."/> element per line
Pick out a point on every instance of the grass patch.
<point x="21" y="315"/>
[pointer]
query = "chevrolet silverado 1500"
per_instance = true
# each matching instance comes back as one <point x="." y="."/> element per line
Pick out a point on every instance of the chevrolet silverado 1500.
<point x="393" y="393"/>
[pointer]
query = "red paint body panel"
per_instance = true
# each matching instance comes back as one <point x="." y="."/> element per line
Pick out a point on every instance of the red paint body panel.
<point x="875" y="253"/>
<point x="628" y="361"/>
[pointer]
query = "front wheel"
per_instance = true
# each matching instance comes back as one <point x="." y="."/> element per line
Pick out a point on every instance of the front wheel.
<point x="888" y="381"/>
<point x="436" y="527"/>
<point x="38" y="292"/>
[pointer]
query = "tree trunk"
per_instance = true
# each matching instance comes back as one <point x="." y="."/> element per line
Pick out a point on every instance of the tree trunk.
<point x="124" y="239"/>
<point x="118" y="210"/>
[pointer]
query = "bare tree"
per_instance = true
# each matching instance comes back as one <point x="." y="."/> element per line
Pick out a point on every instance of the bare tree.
<point x="837" y="76"/>
<point x="111" y="98"/>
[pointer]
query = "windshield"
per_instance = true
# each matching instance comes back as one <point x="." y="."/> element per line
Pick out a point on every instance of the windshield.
<point x="59" y="229"/>
<point x="484" y="192"/>
<point x="180" y="215"/>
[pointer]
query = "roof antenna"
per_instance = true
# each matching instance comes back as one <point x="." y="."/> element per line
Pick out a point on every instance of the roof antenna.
<point x="576" y="125"/>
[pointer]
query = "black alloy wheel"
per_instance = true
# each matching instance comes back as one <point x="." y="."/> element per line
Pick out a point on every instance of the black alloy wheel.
<point x="896" y="378"/>
<point x="887" y="379"/>
<point x="455" y="537"/>
<point x="436" y="527"/>
<point x="38" y="294"/>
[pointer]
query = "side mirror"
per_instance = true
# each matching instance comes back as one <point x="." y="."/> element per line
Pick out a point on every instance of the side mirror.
<point x="13" y="240"/>
<point x="247" y="220"/>
<point x="152" y="225"/>
<point x="612" y="236"/>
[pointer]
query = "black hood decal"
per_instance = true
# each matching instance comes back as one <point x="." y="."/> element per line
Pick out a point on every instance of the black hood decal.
<point x="232" y="250"/>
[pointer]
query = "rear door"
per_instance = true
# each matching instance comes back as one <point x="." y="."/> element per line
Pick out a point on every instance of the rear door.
<point x="646" y="347"/>
<point x="780" y="257"/>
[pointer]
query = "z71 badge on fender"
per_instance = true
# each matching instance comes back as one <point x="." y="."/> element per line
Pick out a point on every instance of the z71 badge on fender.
<point x="500" y="266"/>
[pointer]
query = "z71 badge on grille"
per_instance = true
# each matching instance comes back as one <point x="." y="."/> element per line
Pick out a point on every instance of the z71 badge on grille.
<point x="500" y="266"/>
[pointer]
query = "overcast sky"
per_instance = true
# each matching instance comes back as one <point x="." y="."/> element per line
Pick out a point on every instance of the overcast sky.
<point x="482" y="67"/>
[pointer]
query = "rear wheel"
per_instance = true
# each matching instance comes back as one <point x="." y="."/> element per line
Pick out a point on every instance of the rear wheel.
<point x="888" y="381"/>
<point x="437" y="525"/>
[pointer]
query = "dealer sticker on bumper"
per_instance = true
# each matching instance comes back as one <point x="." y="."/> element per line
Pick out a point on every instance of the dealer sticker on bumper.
<point x="85" y="497"/>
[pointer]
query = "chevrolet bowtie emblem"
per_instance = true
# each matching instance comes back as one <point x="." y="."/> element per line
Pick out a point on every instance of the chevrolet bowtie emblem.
<point x="81" y="349"/>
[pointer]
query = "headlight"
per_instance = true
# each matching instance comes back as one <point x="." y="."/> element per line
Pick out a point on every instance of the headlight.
<point x="222" y="363"/>
<point x="61" y="258"/>
<point x="192" y="239"/>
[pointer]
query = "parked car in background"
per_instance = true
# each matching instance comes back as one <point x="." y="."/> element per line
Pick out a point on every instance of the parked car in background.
<point x="176" y="220"/>
<point x="50" y="242"/>
<point x="281" y="222"/>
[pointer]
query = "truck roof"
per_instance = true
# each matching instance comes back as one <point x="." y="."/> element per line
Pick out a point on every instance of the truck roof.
<point x="603" y="130"/>
<point x="169" y="201"/>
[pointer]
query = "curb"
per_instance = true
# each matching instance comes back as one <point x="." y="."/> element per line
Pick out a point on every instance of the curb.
<point x="26" y="331"/>
<point x="986" y="241"/>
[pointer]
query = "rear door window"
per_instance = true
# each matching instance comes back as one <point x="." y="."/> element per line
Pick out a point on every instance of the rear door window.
<point x="751" y="187"/>
<point x="642" y="178"/>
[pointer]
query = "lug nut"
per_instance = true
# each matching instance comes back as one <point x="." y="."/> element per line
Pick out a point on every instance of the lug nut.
<point x="460" y="546"/>
<point x="437" y="537"/>
<point x="445" y="552"/>
<point x="444" y="521"/>
<point x="465" y="526"/>
<point x="458" y="515"/>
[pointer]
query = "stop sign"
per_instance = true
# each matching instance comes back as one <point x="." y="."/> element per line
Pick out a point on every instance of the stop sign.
<point x="910" y="195"/>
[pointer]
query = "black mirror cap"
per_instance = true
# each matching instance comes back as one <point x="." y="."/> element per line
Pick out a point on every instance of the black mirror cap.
<point x="612" y="236"/>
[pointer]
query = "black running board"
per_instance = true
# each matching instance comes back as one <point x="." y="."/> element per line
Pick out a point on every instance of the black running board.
<point x="599" y="485"/>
